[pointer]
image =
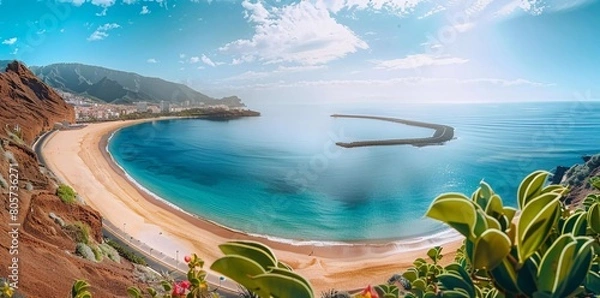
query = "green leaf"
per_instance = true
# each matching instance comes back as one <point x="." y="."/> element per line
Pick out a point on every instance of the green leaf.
<point x="531" y="187"/>
<point x="283" y="265"/>
<point x="527" y="277"/>
<point x="457" y="211"/>
<point x="535" y="223"/>
<point x="451" y="281"/>
<point x="494" y="206"/>
<point x="249" y="251"/>
<point x="592" y="282"/>
<point x="576" y="224"/>
<point x="166" y="286"/>
<point x="565" y="265"/>
<point x="278" y="285"/>
<point x="411" y="274"/>
<point x="434" y="254"/>
<point x="490" y="249"/>
<point x="240" y="269"/>
<point x="292" y="275"/>
<point x="505" y="277"/>
<point x="456" y="294"/>
<point x="595" y="182"/>
<point x="257" y="245"/>
<point x="593" y="217"/>
<point x="134" y="292"/>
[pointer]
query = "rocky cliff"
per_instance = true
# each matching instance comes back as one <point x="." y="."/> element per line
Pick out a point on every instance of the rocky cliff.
<point x="27" y="105"/>
<point x="37" y="252"/>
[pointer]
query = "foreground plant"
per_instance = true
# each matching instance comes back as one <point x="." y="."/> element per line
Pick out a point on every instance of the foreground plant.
<point x="255" y="267"/>
<point x="548" y="251"/>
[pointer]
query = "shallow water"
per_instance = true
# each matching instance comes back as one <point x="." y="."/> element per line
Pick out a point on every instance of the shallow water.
<point x="280" y="174"/>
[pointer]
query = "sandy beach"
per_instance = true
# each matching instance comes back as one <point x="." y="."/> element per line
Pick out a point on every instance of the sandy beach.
<point x="78" y="157"/>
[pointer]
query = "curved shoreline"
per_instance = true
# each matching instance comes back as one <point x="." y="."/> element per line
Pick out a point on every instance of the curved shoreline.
<point x="442" y="134"/>
<point x="323" y="264"/>
<point x="407" y="242"/>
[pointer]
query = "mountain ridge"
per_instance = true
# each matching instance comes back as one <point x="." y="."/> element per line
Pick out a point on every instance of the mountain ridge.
<point x="125" y="87"/>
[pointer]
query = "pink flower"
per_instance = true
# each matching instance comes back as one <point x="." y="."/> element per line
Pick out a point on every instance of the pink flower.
<point x="179" y="288"/>
<point x="187" y="259"/>
<point x="186" y="284"/>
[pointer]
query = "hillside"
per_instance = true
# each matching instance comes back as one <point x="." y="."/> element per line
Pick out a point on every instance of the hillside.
<point x="45" y="248"/>
<point x="113" y="86"/>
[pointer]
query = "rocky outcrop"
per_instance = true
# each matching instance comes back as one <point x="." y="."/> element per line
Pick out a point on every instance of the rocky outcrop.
<point x="577" y="178"/>
<point x="46" y="264"/>
<point x="27" y="105"/>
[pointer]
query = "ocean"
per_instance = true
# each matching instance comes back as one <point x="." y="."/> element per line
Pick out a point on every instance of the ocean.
<point x="280" y="175"/>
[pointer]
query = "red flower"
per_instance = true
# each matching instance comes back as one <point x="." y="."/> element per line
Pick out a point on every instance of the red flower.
<point x="179" y="288"/>
<point x="186" y="284"/>
<point x="187" y="259"/>
<point x="369" y="292"/>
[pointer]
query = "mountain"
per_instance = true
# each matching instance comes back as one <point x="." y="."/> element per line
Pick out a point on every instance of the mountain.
<point x="28" y="103"/>
<point x="113" y="86"/>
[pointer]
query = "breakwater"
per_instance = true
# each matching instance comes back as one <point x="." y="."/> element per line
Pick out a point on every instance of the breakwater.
<point x="442" y="133"/>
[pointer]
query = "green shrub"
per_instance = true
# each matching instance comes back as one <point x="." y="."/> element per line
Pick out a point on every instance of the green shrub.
<point x="85" y="251"/>
<point x="110" y="252"/>
<point x="66" y="194"/>
<point x="127" y="254"/>
<point x="97" y="253"/>
<point x="57" y="219"/>
<point x="80" y="232"/>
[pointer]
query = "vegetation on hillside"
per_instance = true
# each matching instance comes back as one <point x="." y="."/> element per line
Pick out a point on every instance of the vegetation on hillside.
<point x="66" y="194"/>
<point x="126" y="253"/>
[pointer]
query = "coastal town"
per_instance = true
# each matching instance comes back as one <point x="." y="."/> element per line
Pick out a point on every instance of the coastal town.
<point x="88" y="110"/>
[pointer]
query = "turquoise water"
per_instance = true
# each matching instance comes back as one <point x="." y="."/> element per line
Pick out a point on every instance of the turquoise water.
<point x="280" y="175"/>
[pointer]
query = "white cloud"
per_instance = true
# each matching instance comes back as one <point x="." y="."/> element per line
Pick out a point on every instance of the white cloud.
<point x="15" y="51"/>
<point x="254" y="75"/>
<point x="101" y="32"/>
<point x="303" y="33"/>
<point x="478" y="7"/>
<point x="417" y="61"/>
<point x="194" y="60"/>
<point x="207" y="61"/>
<point x="145" y="10"/>
<point x="103" y="12"/>
<point x="10" y="41"/>
<point x="437" y="9"/>
<point x="181" y="56"/>
<point x="103" y="3"/>
<point x="464" y="27"/>
<point x="401" y="7"/>
<point x="152" y="60"/>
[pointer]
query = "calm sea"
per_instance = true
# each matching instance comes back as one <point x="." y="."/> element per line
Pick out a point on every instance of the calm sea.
<point x="280" y="174"/>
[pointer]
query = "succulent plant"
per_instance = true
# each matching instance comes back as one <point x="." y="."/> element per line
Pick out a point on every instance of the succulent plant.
<point x="255" y="267"/>
<point x="548" y="251"/>
<point x="81" y="289"/>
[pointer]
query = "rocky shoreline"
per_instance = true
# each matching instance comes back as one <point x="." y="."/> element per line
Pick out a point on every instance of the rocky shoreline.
<point x="577" y="177"/>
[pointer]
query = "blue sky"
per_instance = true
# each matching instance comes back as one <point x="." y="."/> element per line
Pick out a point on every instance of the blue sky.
<point x="394" y="50"/>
